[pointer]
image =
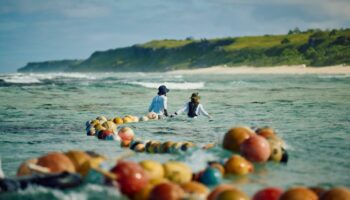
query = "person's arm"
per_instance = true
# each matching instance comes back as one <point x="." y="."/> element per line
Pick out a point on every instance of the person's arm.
<point x="183" y="109"/>
<point x="151" y="106"/>
<point x="201" y="111"/>
<point x="165" y="105"/>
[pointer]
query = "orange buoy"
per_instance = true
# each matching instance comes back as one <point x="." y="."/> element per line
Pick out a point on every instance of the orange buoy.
<point x="238" y="165"/>
<point x="195" y="188"/>
<point x="338" y="193"/>
<point x="56" y="162"/>
<point x="167" y="191"/>
<point x="235" y="137"/>
<point x="299" y="193"/>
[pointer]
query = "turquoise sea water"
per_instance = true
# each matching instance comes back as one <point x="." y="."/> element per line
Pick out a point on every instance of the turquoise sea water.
<point x="40" y="113"/>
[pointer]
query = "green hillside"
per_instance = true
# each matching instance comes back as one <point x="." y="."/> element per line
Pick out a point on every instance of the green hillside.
<point x="49" y="66"/>
<point x="312" y="47"/>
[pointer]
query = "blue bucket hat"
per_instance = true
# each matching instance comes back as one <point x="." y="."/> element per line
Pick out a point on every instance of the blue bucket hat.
<point x="162" y="90"/>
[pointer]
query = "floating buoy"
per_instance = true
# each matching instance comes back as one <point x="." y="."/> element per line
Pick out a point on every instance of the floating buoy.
<point x="232" y="194"/>
<point x="271" y="193"/>
<point x="126" y="133"/>
<point x="134" y="143"/>
<point x="235" y="137"/>
<point x="256" y="149"/>
<point x="109" y="125"/>
<point x="177" y="172"/>
<point x="218" y="190"/>
<point x="195" y="189"/>
<point x="154" y="169"/>
<point x="338" y="193"/>
<point x="266" y="132"/>
<point x="127" y="120"/>
<point x="165" y="148"/>
<point x="276" y="151"/>
<point x="103" y="134"/>
<point x="211" y="176"/>
<point x="118" y="120"/>
<point x="140" y="148"/>
<point x="299" y="193"/>
<point x="238" y="165"/>
<point x="132" y="178"/>
<point x="125" y="143"/>
<point x="175" y="147"/>
<point x="152" y="146"/>
<point x="56" y="162"/>
<point x="167" y="191"/>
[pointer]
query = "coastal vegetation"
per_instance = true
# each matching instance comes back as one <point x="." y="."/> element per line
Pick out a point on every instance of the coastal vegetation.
<point x="312" y="47"/>
<point x="49" y="66"/>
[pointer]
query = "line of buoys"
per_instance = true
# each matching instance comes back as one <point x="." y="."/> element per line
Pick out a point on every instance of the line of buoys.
<point x="154" y="146"/>
<point x="149" y="179"/>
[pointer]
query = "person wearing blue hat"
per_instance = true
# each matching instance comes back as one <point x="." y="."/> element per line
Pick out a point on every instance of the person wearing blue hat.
<point x="159" y="103"/>
<point x="193" y="108"/>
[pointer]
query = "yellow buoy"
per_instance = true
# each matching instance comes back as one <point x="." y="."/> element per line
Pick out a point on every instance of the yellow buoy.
<point x="177" y="172"/>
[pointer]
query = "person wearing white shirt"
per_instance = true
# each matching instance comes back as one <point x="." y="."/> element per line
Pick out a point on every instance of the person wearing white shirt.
<point x="193" y="108"/>
<point x="159" y="103"/>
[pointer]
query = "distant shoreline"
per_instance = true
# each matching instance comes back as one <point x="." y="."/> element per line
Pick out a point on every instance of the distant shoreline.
<point x="295" y="69"/>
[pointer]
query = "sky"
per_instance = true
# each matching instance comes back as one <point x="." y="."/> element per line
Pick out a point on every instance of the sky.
<point x="40" y="30"/>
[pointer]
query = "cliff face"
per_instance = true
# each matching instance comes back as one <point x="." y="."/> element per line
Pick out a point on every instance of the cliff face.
<point x="312" y="47"/>
<point x="49" y="66"/>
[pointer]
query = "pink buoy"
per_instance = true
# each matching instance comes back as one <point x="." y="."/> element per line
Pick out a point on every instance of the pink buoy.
<point x="126" y="133"/>
<point x="256" y="149"/>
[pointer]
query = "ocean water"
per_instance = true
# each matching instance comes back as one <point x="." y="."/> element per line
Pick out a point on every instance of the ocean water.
<point x="40" y="113"/>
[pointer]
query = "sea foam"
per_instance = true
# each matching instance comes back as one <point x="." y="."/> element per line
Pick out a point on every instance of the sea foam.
<point x="171" y="85"/>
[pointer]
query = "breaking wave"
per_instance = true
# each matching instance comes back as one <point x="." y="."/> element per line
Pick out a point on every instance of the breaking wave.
<point x="171" y="85"/>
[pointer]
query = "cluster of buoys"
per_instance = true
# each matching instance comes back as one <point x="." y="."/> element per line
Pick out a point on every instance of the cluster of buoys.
<point x="101" y="123"/>
<point x="152" y="180"/>
<point x="257" y="146"/>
